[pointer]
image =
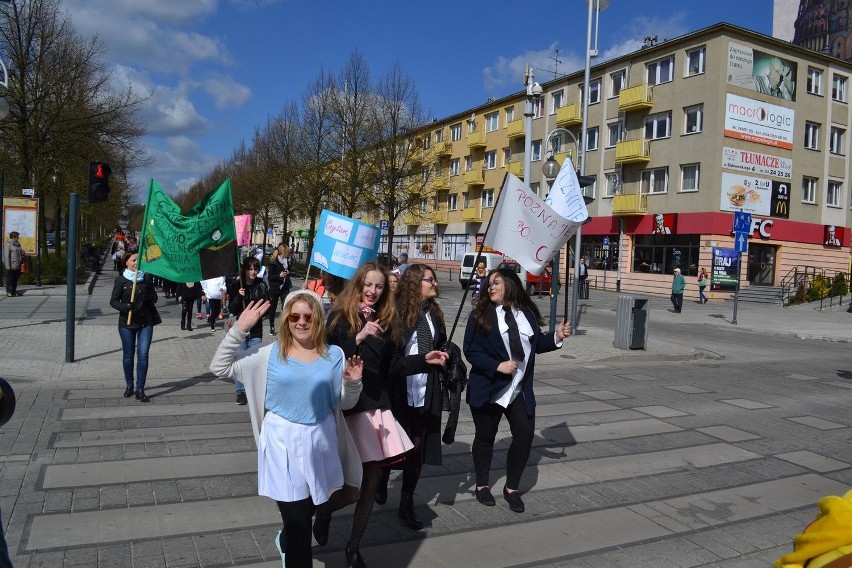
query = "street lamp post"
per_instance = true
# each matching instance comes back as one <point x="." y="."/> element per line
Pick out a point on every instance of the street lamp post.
<point x="534" y="91"/>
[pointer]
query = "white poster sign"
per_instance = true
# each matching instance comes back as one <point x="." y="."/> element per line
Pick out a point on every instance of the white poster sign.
<point x="746" y="193"/>
<point x="756" y="163"/>
<point x="760" y="122"/>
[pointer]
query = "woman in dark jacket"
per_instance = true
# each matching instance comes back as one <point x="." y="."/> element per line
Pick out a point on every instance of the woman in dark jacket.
<point x="419" y="401"/>
<point x="137" y="333"/>
<point x="501" y="341"/>
<point x="364" y="322"/>
<point x="279" y="281"/>
<point x="244" y="290"/>
<point x="187" y="294"/>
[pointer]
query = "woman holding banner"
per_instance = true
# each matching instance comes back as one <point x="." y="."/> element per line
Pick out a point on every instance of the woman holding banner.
<point x="501" y="341"/>
<point x="136" y="320"/>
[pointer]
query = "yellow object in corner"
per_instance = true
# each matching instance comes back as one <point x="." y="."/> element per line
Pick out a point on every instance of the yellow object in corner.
<point x="827" y="540"/>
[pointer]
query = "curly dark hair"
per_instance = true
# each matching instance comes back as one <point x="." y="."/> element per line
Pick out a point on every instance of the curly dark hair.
<point x="514" y="296"/>
<point x="408" y="297"/>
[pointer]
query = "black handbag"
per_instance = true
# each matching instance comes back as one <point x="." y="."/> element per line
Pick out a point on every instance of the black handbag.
<point x="7" y="403"/>
<point x="453" y="383"/>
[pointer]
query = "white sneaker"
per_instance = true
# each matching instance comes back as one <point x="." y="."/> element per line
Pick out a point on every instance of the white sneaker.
<point x="278" y="546"/>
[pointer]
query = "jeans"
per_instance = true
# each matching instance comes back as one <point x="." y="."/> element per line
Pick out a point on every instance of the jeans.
<point x="12" y="280"/>
<point x="677" y="302"/>
<point x="247" y="344"/>
<point x="486" y="419"/>
<point x="701" y="295"/>
<point x="138" y="340"/>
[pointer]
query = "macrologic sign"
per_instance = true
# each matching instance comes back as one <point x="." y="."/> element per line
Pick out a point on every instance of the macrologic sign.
<point x="756" y="163"/>
<point x="759" y="122"/>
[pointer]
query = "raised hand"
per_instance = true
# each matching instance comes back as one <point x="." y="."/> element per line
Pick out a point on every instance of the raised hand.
<point x="252" y="314"/>
<point x="354" y="369"/>
<point x="373" y="328"/>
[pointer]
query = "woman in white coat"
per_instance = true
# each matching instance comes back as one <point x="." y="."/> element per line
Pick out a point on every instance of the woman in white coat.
<point x="296" y="388"/>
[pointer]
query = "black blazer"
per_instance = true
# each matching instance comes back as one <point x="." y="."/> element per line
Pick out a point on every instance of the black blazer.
<point x="144" y="311"/>
<point x="485" y="351"/>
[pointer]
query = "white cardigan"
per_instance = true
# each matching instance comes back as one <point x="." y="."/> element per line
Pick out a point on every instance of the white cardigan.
<point x="249" y="367"/>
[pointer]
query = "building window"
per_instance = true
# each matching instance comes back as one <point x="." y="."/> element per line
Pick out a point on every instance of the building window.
<point x="556" y="101"/>
<point x="838" y="88"/>
<point x="427" y="142"/>
<point x="466" y="199"/>
<point x="814" y="81"/>
<point x="661" y="254"/>
<point x="613" y="185"/>
<point x="468" y="164"/>
<point x="536" y="188"/>
<point x="424" y="205"/>
<point x="614" y="134"/>
<point x="424" y="173"/>
<point x="455" y="132"/>
<point x="689" y="177"/>
<point x="492" y="121"/>
<point x="538" y="108"/>
<point x="471" y="125"/>
<point x="809" y="186"/>
<point x="452" y="202"/>
<point x="507" y="156"/>
<point x="594" y="91"/>
<point x="436" y="168"/>
<point x="660" y="71"/>
<point x="510" y="115"/>
<point x="655" y="181"/>
<point x="590" y="190"/>
<point x="695" y="61"/>
<point x="658" y="126"/>
<point x="832" y="193"/>
<point x="835" y="141"/>
<point x="693" y="119"/>
<point x="812" y="136"/>
<point x="489" y="160"/>
<point x="617" y="81"/>
<point x="535" y="154"/>
<point x="439" y="135"/>
<point x="592" y="138"/>
<point x="454" y="167"/>
<point x="487" y="198"/>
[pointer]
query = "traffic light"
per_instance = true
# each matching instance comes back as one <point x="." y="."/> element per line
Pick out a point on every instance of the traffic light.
<point x="98" y="181"/>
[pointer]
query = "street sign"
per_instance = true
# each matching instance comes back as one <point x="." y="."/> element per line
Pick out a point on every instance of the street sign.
<point x="269" y="231"/>
<point x="741" y="242"/>
<point x="384" y="225"/>
<point x="742" y="222"/>
<point x="28" y="191"/>
<point x="606" y="241"/>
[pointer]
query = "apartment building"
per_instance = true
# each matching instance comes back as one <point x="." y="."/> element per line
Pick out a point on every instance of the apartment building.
<point x="681" y="135"/>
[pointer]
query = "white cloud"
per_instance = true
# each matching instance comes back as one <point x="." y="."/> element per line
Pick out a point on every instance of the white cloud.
<point x="225" y="92"/>
<point x="508" y="73"/>
<point x="633" y="34"/>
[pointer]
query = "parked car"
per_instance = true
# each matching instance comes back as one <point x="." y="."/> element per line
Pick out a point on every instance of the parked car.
<point x="533" y="282"/>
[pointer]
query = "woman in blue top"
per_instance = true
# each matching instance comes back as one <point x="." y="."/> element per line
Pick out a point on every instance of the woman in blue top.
<point x="296" y="388"/>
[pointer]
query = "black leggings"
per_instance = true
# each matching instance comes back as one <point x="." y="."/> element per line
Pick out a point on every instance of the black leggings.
<point x="297" y="532"/>
<point x="486" y="419"/>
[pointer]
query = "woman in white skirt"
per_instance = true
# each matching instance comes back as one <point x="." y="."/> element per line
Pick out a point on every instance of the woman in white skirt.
<point x="364" y="322"/>
<point x="296" y="389"/>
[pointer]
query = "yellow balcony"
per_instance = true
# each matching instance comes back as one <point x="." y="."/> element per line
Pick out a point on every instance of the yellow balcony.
<point x="471" y="215"/>
<point x="630" y="204"/>
<point x="476" y="139"/>
<point x="633" y="151"/>
<point x="516" y="129"/>
<point x="440" y="217"/>
<point x="560" y="157"/>
<point x="412" y="219"/>
<point x="474" y="177"/>
<point x="440" y="183"/>
<point x="569" y="115"/>
<point x="443" y="148"/>
<point x="517" y="169"/>
<point x="636" y="98"/>
<point x="418" y="155"/>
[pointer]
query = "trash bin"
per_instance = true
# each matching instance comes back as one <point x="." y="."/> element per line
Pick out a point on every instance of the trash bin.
<point x="631" y="323"/>
<point x="583" y="291"/>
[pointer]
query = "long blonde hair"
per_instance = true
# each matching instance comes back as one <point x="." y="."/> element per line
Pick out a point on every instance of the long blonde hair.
<point x="347" y="303"/>
<point x="285" y="338"/>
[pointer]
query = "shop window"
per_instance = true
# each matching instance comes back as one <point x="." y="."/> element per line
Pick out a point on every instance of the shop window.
<point x="661" y="254"/>
<point x="598" y="256"/>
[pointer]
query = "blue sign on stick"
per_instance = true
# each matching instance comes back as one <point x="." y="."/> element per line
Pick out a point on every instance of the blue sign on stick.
<point x="740" y="242"/>
<point x="742" y="222"/>
<point x="343" y="244"/>
<point x="606" y="241"/>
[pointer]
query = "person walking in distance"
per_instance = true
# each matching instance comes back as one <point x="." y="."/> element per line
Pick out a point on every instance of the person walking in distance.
<point x="702" y="284"/>
<point x="136" y="331"/>
<point x="279" y="281"/>
<point x="13" y="258"/>
<point x="678" y="286"/>
<point x="214" y="292"/>
<point x="187" y="294"/>
<point x="501" y="341"/>
<point x="297" y="387"/>
<point x="246" y="289"/>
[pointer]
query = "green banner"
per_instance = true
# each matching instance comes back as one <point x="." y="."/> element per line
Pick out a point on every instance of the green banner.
<point x="189" y="247"/>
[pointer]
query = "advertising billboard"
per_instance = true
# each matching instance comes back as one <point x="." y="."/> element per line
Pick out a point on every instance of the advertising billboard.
<point x="756" y="163"/>
<point x="759" y="122"/>
<point x="750" y="194"/>
<point x="761" y="72"/>
<point x="726" y="269"/>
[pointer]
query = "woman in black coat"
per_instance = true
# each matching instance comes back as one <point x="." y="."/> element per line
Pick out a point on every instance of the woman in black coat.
<point x="502" y="338"/>
<point x="187" y="294"/>
<point x="244" y="290"/>
<point x="279" y="281"/>
<point x="137" y="333"/>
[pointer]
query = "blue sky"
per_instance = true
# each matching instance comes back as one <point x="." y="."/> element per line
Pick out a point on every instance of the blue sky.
<point x="217" y="69"/>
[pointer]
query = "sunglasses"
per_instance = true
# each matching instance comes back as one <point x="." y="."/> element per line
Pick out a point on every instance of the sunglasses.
<point x="294" y="317"/>
<point x="430" y="280"/>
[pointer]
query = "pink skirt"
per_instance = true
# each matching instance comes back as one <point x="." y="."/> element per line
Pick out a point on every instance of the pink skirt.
<point x="377" y="435"/>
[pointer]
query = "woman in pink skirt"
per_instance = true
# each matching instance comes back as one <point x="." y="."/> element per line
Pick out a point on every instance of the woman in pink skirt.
<point x="364" y="322"/>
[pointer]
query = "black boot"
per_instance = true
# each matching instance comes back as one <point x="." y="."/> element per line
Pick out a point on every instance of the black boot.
<point x="141" y="396"/>
<point x="354" y="558"/>
<point x="382" y="488"/>
<point x="406" y="511"/>
<point x="128" y="392"/>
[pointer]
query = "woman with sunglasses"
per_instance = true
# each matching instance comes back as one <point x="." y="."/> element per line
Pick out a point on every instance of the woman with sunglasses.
<point x="364" y="322"/>
<point x="502" y="338"/>
<point x="420" y="401"/>
<point x="297" y="387"/>
<point x="249" y="287"/>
